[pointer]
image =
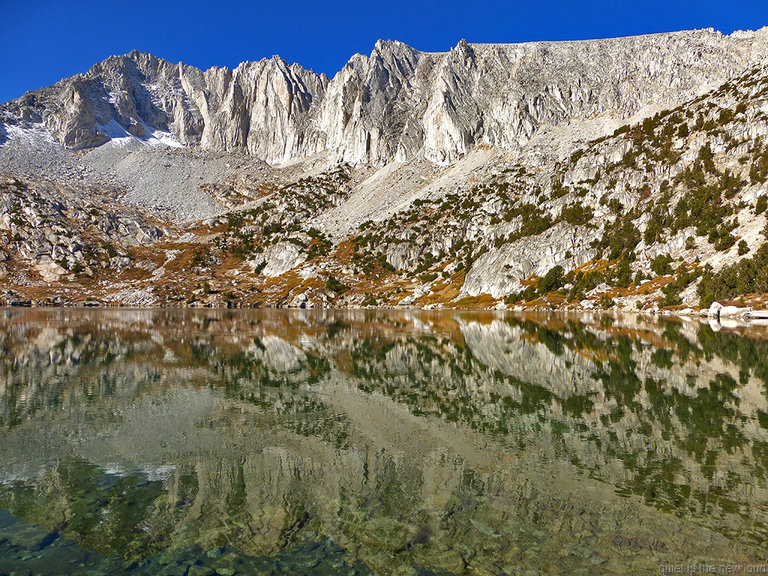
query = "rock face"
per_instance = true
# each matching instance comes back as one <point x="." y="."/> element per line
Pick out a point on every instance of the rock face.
<point x="499" y="272"/>
<point x="396" y="104"/>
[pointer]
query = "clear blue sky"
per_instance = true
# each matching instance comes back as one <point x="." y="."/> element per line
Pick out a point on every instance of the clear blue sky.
<point x="43" y="41"/>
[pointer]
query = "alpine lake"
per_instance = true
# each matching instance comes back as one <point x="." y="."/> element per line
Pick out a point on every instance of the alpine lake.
<point x="402" y="442"/>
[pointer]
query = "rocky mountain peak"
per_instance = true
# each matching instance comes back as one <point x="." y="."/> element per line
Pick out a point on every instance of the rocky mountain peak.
<point x="463" y="51"/>
<point x="397" y="103"/>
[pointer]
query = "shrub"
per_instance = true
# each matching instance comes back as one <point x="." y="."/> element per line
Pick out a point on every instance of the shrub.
<point x="662" y="264"/>
<point x="744" y="277"/>
<point x="623" y="274"/>
<point x="335" y="285"/>
<point x="576" y="155"/>
<point x="606" y="301"/>
<point x="743" y="248"/>
<point x="725" y="242"/>
<point x="533" y="223"/>
<point x="761" y="205"/>
<point x="577" y="214"/>
<point x="707" y="157"/>
<point x="623" y="238"/>
<point x="726" y="116"/>
<point x="552" y="280"/>
<point x="758" y="172"/>
<point x="201" y="257"/>
<point x="110" y="249"/>
<point x="673" y="289"/>
<point x="615" y="206"/>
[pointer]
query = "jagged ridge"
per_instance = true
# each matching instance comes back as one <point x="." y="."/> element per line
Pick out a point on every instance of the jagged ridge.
<point x="395" y="104"/>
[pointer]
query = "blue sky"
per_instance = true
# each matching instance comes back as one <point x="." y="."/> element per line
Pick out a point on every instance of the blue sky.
<point x="44" y="41"/>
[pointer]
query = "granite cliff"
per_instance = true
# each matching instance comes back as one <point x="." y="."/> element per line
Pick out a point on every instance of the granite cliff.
<point x="395" y="104"/>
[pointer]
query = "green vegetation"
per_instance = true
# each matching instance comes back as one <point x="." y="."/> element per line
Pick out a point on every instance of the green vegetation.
<point x="662" y="264"/>
<point x="281" y="217"/>
<point x="761" y="204"/>
<point x="672" y="291"/>
<point x="749" y="275"/>
<point x="319" y="245"/>
<point x="577" y="214"/>
<point x="335" y="285"/>
<point x="620" y="237"/>
<point x="551" y="281"/>
<point x="202" y="258"/>
<point x="743" y="248"/>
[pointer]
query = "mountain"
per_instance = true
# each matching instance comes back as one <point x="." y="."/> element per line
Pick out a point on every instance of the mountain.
<point x="395" y="104"/>
<point x="488" y="174"/>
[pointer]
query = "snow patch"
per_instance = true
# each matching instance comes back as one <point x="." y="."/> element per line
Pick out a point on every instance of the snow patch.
<point x="37" y="133"/>
<point x="120" y="137"/>
<point x="161" y="138"/>
<point x="158" y="473"/>
<point x="112" y="98"/>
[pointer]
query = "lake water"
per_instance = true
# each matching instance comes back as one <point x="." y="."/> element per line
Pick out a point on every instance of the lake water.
<point x="366" y="442"/>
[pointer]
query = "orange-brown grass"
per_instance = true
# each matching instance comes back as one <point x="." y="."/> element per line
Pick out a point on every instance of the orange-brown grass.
<point x="479" y="301"/>
<point x="444" y="291"/>
<point x="343" y="252"/>
<point x="593" y="266"/>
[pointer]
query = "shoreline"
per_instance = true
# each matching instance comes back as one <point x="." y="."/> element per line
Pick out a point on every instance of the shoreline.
<point x="717" y="314"/>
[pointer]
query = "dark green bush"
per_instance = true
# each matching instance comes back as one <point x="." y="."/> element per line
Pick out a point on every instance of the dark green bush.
<point x="577" y="214"/>
<point x="335" y="285"/>
<point x="552" y="280"/>
<point x="662" y="264"/>
<point x="743" y="248"/>
<point x="761" y="205"/>
<point x="744" y="277"/>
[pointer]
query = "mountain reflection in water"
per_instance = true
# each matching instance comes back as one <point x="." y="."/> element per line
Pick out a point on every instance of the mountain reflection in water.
<point x="384" y="442"/>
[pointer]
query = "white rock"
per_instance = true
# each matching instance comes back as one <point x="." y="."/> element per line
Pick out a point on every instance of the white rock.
<point x="734" y="311"/>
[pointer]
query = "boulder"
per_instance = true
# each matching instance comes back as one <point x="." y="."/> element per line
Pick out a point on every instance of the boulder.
<point x="49" y="270"/>
<point x="732" y="311"/>
<point x="282" y="257"/>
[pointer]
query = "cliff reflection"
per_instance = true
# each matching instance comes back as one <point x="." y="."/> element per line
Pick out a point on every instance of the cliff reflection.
<point x="458" y="442"/>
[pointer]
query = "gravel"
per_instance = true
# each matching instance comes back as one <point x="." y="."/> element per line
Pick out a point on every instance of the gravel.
<point x="162" y="179"/>
<point x="35" y="154"/>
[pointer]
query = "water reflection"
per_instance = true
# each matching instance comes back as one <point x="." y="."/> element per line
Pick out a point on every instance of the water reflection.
<point x="384" y="442"/>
